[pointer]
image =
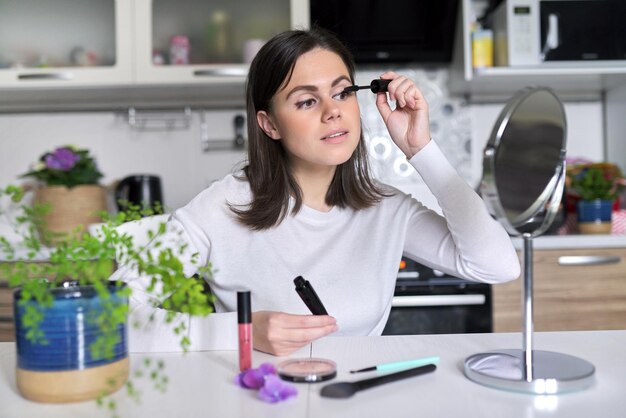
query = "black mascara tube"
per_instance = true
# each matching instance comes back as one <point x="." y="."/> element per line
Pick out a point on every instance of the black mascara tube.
<point x="376" y="86"/>
<point x="308" y="296"/>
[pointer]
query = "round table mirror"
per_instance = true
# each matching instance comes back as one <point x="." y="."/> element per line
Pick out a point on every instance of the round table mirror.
<point x="522" y="185"/>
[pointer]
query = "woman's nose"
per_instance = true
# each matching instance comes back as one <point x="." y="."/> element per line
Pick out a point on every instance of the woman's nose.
<point x="331" y="110"/>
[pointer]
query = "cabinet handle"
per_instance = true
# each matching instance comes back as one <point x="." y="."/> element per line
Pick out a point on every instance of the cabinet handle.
<point x="221" y="72"/>
<point x="46" y="76"/>
<point x="437" y="300"/>
<point x="588" y="260"/>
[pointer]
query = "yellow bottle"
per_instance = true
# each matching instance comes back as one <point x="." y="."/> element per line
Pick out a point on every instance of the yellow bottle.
<point x="482" y="48"/>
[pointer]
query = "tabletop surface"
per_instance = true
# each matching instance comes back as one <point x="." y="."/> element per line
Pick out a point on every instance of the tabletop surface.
<point x="201" y="384"/>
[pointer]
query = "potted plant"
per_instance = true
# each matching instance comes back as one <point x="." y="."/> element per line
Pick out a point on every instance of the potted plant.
<point x="597" y="186"/>
<point x="68" y="182"/>
<point x="71" y="321"/>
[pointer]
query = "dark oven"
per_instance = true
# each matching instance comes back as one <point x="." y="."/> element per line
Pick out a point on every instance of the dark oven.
<point x="427" y="301"/>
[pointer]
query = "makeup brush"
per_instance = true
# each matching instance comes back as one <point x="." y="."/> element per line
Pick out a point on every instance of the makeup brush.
<point x="377" y="86"/>
<point x="347" y="389"/>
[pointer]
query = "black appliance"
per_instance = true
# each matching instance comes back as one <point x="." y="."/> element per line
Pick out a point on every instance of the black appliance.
<point x="427" y="301"/>
<point x="142" y="191"/>
<point x="391" y="30"/>
<point x="584" y="29"/>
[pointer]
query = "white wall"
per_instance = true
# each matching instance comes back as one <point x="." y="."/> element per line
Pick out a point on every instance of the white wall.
<point x="616" y="127"/>
<point x="585" y="131"/>
<point x="175" y="156"/>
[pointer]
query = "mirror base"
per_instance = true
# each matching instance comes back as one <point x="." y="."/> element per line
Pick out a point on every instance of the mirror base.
<point x="553" y="373"/>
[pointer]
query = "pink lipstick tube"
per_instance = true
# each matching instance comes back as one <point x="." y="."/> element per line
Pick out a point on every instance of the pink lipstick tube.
<point x="244" y="322"/>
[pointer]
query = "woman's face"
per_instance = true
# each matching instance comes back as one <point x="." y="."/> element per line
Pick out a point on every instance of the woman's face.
<point x="318" y="125"/>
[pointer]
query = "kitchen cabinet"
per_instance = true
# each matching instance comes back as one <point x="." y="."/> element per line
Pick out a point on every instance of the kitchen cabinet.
<point x="569" y="293"/>
<point x="7" y="329"/>
<point x="221" y="34"/>
<point x="65" y="43"/>
<point x="6" y="313"/>
<point x="570" y="79"/>
<point x="73" y="49"/>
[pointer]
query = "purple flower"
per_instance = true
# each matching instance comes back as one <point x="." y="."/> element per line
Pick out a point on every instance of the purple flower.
<point x="271" y="388"/>
<point x="250" y="379"/>
<point x="267" y="369"/>
<point x="62" y="159"/>
<point x="255" y="378"/>
<point x="275" y="390"/>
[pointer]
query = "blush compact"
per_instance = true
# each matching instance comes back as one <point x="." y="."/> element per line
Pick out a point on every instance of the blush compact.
<point x="307" y="370"/>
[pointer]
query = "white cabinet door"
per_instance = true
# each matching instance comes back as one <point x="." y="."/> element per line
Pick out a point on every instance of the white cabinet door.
<point x="207" y="41"/>
<point x="57" y="43"/>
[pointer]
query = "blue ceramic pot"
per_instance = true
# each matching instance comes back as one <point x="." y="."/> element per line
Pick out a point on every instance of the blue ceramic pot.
<point x="594" y="216"/>
<point x="69" y="331"/>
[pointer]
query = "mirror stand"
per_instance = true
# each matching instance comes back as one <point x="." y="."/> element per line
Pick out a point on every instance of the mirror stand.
<point x="528" y="370"/>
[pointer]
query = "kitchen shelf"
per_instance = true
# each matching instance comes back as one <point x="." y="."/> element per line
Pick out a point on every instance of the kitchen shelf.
<point x="569" y="79"/>
<point x="564" y="68"/>
<point x="228" y="94"/>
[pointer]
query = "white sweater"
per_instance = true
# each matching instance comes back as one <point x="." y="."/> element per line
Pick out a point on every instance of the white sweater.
<point x="350" y="257"/>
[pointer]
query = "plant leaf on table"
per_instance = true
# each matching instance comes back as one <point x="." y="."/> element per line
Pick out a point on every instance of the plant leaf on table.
<point x="91" y="260"/>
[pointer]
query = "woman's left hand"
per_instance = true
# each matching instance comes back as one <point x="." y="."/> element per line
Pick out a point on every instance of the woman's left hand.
<point x="408" y="123"/>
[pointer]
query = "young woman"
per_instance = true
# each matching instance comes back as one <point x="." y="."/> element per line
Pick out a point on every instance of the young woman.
<point x="306" y="205"/>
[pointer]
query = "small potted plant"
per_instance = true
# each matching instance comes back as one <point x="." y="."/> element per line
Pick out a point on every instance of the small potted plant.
<point x="67" y="180"/>
<point x="597" y="186"/>
<point x="71" y="321"/>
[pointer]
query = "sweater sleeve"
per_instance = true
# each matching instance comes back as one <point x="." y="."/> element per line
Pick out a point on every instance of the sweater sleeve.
<point x="466" y="241"/>
<point x="150" y="329"/>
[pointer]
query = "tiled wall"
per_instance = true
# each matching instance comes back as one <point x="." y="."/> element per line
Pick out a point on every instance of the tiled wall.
<point x="450" y="126"/>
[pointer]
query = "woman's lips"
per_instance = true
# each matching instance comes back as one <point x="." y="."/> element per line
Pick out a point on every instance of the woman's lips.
<point x="335" y="137"/>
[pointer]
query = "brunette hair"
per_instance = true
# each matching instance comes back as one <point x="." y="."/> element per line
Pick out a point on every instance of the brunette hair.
<point x="267" y="171"/>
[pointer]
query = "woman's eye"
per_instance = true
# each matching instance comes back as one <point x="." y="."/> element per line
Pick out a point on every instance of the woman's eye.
<point x="343" y="95"/>
<point x="305" y="104"/>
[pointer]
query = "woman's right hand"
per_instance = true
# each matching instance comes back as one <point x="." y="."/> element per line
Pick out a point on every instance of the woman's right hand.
<point x="280" y="333"/>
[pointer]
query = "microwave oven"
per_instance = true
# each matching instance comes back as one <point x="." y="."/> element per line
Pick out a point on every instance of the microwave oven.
<point x="391" y="31"/>
<point x="531" y="32"/>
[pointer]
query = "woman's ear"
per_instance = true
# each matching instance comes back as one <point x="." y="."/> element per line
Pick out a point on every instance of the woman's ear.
<point x="265" y="122"/>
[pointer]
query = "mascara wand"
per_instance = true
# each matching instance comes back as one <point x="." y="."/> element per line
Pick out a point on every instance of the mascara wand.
<point x="376" y="86"/>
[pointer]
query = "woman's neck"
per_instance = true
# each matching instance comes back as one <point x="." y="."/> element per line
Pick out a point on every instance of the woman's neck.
<point x="314" y="184"/>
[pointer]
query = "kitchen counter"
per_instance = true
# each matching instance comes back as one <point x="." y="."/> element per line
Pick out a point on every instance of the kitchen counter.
<point x="201" y="383"/>
<point x="574" y="241"/>
<point x="544" y="242"/>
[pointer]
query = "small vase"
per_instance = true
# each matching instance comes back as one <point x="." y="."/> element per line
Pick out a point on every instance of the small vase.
<point x="63" y="368"/>
<point x="594" y="216"/>
<point x="71" y="210"/>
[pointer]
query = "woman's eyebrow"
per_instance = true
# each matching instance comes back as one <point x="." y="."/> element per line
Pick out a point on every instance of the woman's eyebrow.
<point x="314" y="88"/>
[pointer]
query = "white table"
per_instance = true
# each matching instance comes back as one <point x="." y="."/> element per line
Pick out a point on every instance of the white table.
<point x="201" y="383"/>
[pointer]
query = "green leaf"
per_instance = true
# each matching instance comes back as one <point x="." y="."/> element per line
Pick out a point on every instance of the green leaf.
<point x="91" y="260"/>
